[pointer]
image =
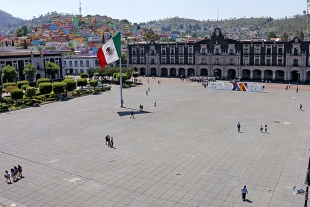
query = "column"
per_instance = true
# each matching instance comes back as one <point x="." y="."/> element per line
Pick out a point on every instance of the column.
<point x="251" y="74"/>
<point x="263" y="75"/>
<point x="168" y="72"/>
<point x="273" y="75"/>
<point x="185" y="71"/>
<point x="177" y="72"/>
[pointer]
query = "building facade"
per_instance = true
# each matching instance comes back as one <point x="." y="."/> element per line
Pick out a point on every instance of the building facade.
<point x="223" y="58"/>
<point x="76" y="64"/>
<point x="18" y="59"/>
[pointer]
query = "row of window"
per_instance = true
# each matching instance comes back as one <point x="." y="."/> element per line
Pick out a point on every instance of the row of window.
<point x="76" y="63"/>
<point x="217" y="51"/>
<point x="231" y="61"/>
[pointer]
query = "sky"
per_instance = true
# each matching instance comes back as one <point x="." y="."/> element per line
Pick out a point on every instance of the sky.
<point x="137" y="11"/>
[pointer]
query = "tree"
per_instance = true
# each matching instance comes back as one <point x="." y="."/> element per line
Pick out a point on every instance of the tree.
<point x="296" y="34"/>
<point x="30" y="71"/>
<point x="150" y="35"/>
<point x="30" y="91"/>
<point x="43" y="80"/>
<point x="285" y="37"/>
<point x="21" y="83"/>
<point x="93" y="83"/>
<point x="17" y="94"/>
<point x="9" y="73"/>
<point x="82" y="82"/>
<point x="52" y="69"/>
<point x="91" y="72"/>
<point x="125" y="21"/>
<point x="271" y="35"/>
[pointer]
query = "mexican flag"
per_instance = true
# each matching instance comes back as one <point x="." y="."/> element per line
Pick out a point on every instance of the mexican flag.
<point x="110" y="51"/>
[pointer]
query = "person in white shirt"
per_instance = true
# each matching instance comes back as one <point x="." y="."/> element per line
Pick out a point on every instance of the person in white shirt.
<point x="7" y="176"/>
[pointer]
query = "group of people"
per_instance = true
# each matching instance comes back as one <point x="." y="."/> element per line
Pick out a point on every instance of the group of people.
<point x="109" y="141"/>
<point x="261" y="127"/>
<point x="16" y="173"/>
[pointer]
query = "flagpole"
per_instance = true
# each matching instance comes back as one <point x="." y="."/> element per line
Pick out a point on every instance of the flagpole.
<point x="121" y="80"/>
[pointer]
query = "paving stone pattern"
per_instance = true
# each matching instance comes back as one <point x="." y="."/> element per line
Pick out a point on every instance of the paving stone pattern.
<point x="184" y="152"/>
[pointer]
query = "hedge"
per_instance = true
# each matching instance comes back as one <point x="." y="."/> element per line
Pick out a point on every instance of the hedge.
<point x="30" y="91"/>
<point x="43" y="80"/>
<point x="93" y="83"/>
<point x="9" y="84"/>
<point x="45" y="88"/>
<point x="82" y="82"/>
<point x="24" y="87"/>
<point x="59" y="87"/>
<point x="70" y="84"/>
<point x="17" y="94"/>
<point x="21" y="83"/>
<point x="9" y="88"/>
<point x="84" y="75"/>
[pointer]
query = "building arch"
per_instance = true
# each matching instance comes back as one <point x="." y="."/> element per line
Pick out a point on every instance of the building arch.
<point x="191" y="72"/>
<point x="279" y="76"/>
<point x="268" y="74"/>
<point x="294" y="76"/>
<point x="182" y="72"/>
<point x="173" y="72"/>
<point x="164" y="72"/>
<point x="257" y="74"/>
<point x="153" y="72"/>
<point x="203" y="72"/>
<point x="218" y="73"/>
<point x="142" y="71"/>
<point x="246" y="74"/>
<point x="231" y="74"/>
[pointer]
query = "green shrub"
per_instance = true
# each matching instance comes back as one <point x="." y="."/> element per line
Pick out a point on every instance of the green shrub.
<point x="30" y="91"/>
<point x="43" y="80"/>
<point x="82" y="82"/>
<point x="70" y="84"/>
<point x="51" y="99"/>
<point x="4" y="106"/>
<point x="17" y="94"/>
<point x="24" y="87"/>
<point x="93" y="83"/>
<point x="84" y="75"/>
<point x="9" y="88"/>
<point x="21" y="83"/>
<point x="9" y="84"/>
<point x="69" y="78"/>
<point x="59" y="87"/>
<point x="45" y="88"/>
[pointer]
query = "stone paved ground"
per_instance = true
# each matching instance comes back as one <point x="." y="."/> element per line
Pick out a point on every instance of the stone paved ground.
<point x="185" y="152"/>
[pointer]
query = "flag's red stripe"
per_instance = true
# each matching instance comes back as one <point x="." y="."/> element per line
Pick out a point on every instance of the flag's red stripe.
<point x="101" y="58"/>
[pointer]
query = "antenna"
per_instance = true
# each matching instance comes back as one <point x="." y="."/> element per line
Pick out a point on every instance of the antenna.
<point x="80" y="9"/>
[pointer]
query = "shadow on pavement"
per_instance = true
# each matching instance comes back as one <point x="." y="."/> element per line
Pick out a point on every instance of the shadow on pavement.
<point x="128" y="113"/>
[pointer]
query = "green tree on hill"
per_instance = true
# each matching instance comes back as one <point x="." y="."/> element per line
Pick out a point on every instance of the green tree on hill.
<point x="271" y="35"/>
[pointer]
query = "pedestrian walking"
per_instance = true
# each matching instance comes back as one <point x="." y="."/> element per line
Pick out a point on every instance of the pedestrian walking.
<point x="12" y="174"/>
<point x="289" y="85"/>
<point x="16" y="172"/>
<point x="146" y="92"/>
<point x="132" y="114"/>
<point x="300" y="107"/>
<point x="244" y="191"/>
<point x="20" y="171"/>
<point x="148" y="89"/>
<point x="155" y="103"/>
<point x="112" y="142"/>
<point x="238" y="126"/>
<point x="265" y="128"/>
<point x="7" y="177"/>
<point x="107" y="139"/>
<point x="261" y="128"/>
<point x="297" y="90"/>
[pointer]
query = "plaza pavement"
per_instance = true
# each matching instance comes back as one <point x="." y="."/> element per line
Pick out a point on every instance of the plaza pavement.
<point x="185" y="152"/>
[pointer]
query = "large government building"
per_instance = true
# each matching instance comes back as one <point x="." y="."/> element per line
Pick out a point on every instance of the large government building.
<point x="224" y="59"/>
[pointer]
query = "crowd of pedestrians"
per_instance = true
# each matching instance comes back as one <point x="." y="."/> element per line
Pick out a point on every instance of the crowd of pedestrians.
<point x="16" y="174"/>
